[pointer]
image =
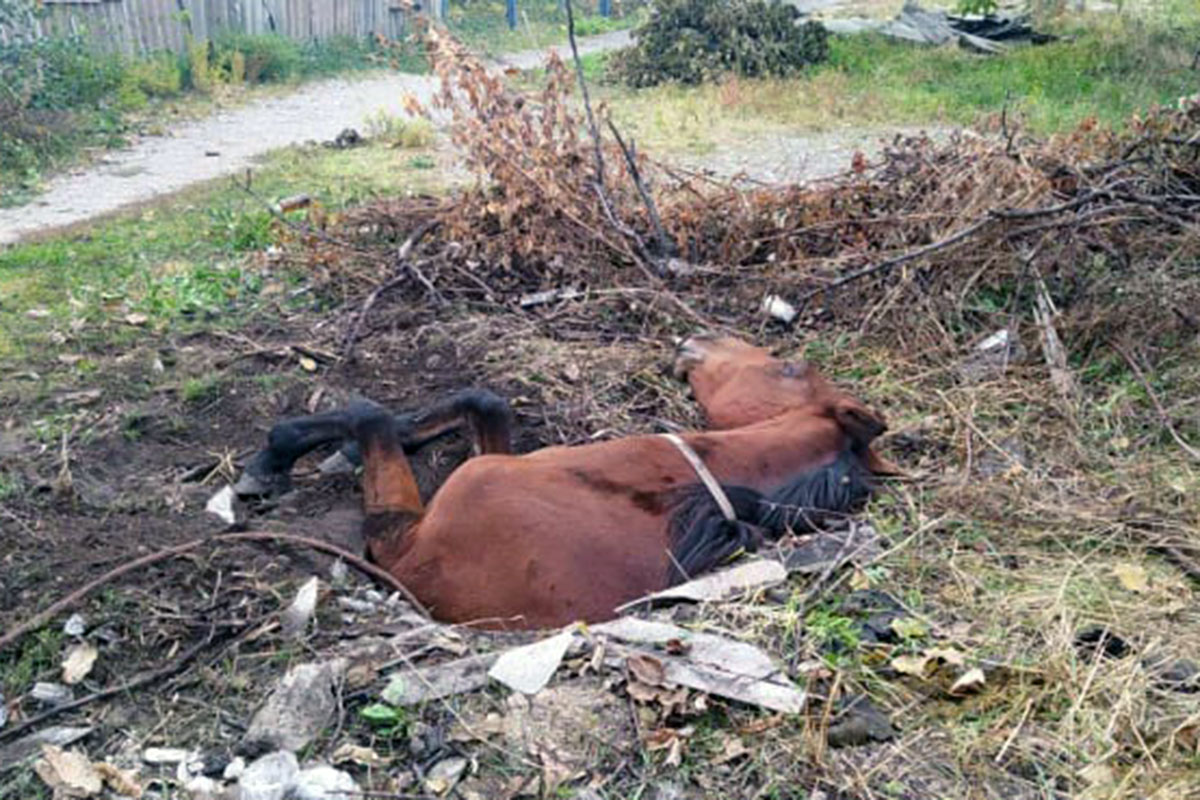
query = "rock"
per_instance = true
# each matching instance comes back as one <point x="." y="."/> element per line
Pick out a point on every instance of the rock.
<point x="528" y="669"/>
<point x="443" y="680"/>
<point x="234" y="769"/>
<point x="323" y="783"/>
<point x="269" y="778"/>
<point x="3" y="711"/>
<point x="165" y="755"/>
<point x="293" y="622"/>
<point x="23" y="749"/>
<point x="298" y="709"/>
<point x="445" y="774"/>
<point x="1181" y="675"/>
<point x="51" y="694"/>
<point x="75" y="625"/>
<point x="860" y="723"/>
<point x="203" y="788"/>
<point x="221" y="505"/>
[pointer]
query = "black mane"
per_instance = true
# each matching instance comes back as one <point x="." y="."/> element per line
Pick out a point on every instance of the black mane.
<point x="701" y="537"/>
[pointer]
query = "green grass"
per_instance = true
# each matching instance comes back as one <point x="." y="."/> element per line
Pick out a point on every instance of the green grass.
<point x="483" y="26"/>
<point x="187" y="262"/>
<point x="1103" y="68"/>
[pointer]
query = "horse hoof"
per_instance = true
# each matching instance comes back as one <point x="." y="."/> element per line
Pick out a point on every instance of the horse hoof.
<point x="257" y="482"/>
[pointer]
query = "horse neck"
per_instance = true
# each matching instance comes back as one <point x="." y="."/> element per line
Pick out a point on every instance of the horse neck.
<point x="773" y="450"/>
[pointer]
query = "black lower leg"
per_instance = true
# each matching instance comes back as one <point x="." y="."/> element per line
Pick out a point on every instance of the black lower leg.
<point x="269" y="472"/>
<point x="485" y="413"/>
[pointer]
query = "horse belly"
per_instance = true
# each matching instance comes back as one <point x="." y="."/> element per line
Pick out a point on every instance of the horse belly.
<point x="524" y="547"/>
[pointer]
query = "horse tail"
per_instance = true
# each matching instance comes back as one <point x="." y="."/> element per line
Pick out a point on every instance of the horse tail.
<point x="702" y="538"/>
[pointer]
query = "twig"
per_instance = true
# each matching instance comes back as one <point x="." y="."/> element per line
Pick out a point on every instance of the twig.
<point x="587" y="103"/>
<point x="171" y="669"/>
<point x="651" y="208"/>
<point x="883" y="266"/>
<point x="401" y="257"/>
<point x="171" y="552"/>
<point x="1158" y="406"/>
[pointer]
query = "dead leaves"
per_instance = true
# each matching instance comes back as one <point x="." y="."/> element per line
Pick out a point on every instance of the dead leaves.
<point x="71" y="774"/>
<point x="926" y="665"/>
<point x="78" y="663"/>
<point x="1132" y="577"/>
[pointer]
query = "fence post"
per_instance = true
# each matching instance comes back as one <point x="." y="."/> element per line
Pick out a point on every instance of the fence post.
<point x="606" y="8"/>
<point x="510" y="14"/>
<point x="443" y="9"/>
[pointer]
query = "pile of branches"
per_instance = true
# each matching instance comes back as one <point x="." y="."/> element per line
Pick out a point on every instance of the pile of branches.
<point x="692" y="41"/>
<point x="548" y="196"/>
<point x="1098" y="226"/>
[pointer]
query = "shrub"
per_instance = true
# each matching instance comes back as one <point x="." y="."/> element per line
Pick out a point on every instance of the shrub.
<point x="399" y="132"/>
<point x="268" y="58"/>
<point x="692" y="41"/>
<point x="158" y="75"/>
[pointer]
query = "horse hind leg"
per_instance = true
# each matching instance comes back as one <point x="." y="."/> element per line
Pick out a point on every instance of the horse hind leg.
<point x="391" y="499"/>
<point x="486" y="414"/>
<point x="269" y="471"/>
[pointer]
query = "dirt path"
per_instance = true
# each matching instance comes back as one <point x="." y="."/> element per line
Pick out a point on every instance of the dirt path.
<point x="787" y="157"/>
<point x="230" y="141"/>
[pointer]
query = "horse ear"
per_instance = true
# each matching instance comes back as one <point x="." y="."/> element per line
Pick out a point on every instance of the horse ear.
<point x="860" y="424"/>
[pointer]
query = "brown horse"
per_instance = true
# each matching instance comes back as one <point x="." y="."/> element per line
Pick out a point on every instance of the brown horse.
<point x="571" y="533"/>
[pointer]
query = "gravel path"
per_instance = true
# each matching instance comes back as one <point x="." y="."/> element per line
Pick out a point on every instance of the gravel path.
<point x="796" y="157"/>
<point x="230" y="141"/>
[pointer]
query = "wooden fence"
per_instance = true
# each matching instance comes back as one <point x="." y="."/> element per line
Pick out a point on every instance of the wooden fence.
<point x="141" y="26"/>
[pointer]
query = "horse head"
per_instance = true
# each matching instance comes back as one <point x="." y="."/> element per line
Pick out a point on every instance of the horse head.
<point x="738" y="384"/>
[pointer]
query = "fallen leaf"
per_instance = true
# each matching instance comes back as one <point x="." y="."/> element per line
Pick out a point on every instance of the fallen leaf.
<point x="734" y="748"/>
<point x="355" y="754"/>
<point x="675" y="754"/>
<point x="760" y="725"/>
<point x="136" y="319"/>
<point x="647" y="669"/>
<point x="909" y="628"/>
<point x="308" y="364"/>
<point x="640" y="692"/>
<point x="68" y="774"/>
<point x="122" y="781"/>
<point x="970" y="681"/>
<point x="911" y="665"/>
<point x="948" y="654"/>
<point x="78" y="663"/>
<point x="37" y="313"/>
<point x="492" y="725"/>
<point x="1132" y="577"/>
<point x="859" y="581"/>
<point x="1098" y="775"/>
